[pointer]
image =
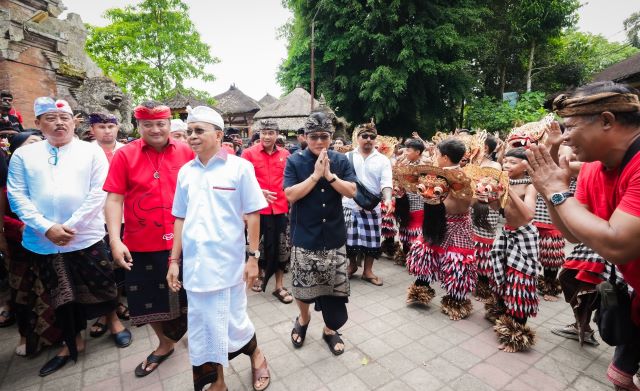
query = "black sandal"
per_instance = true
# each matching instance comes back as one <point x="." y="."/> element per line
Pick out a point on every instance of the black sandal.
<point x="301" y="331"/>
<point x="102" y="328"/>
<point x="9" y="318"/>
<point x="123" y="312"/>
<point x="332" y="340"/>
<point x="141" y="370"/>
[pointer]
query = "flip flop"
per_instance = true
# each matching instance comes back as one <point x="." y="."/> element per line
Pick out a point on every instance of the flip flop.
<point x="141" y="370"/>
<point x="282" y="295"/>
<point x="123" y="312"/>
<point x="102" y="328"/>
<point x="377" y="281"/>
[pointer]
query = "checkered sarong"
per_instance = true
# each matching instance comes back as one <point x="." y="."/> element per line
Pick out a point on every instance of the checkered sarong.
<point x="363" y="230"/>
<point x="582" y="253"/>
<point x="416" y="202"/>
<point x="517" y="249"/>
<point x="542" y="213"/>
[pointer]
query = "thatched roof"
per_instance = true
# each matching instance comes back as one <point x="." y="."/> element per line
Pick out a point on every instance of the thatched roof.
<point x="267" y="100"/>
<point x="180" y="101"/>
<point x="294" y="104"/>
<point x="624" y="71"/>
<point x="234" y="101"/>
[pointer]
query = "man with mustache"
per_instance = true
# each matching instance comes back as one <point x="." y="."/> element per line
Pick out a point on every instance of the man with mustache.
<point x="55" y="188"/>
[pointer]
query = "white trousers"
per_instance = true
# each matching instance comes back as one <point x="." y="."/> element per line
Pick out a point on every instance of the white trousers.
<point x="218" y="324"/>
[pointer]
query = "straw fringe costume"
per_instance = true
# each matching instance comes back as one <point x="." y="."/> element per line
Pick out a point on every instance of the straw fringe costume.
<point x="515" y="269"/>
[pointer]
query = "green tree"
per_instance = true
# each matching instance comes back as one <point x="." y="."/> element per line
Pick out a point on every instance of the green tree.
<point x="150" y="49"/>
<point x="572" y="59"/>
<point x="632" y="28"/>
<point x="496" y="115"/>
<point x="405" y="63"/>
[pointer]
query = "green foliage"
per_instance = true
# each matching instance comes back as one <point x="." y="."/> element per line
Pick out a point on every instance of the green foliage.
<point x="632" y="28"/>
<point x="572" y="59"/>
<point x="405" y="63"/>
<point x="498" y="116"/>
<point x="150" y="49"/>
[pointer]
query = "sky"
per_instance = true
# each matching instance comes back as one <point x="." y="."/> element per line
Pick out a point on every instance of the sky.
<point x="243" y="35"/>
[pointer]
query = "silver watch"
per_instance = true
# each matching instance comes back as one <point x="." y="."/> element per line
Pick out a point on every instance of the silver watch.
<point x="255" y="254"/>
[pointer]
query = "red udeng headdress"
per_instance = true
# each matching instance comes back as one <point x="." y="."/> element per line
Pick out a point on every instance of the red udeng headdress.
<point x="158" y="112"/>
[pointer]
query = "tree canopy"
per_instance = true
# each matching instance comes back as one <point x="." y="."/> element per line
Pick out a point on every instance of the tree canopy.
<point x="150" y="49"/>
<point x="414" y="64"/>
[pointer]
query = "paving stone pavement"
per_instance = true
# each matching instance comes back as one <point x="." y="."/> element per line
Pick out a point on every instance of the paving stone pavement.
<point x="389" y="346"/>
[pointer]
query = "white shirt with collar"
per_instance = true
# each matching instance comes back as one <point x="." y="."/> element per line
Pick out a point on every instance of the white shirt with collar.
<point x="212" y="200"/>
<point x="48" y="185"/>
<point x="374" y="172"/>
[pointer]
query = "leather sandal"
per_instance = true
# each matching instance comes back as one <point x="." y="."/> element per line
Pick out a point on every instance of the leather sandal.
<point x="261" y="372"/>
<point x="332" y="340"/>
<point x="282" y="294"/>
<point x="301" y="331"/>
<point x="102" y="328"/>
<point x="141" y="370"/>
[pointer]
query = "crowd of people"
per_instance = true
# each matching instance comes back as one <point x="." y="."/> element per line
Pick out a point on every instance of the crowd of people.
<point x="188" y="217"/>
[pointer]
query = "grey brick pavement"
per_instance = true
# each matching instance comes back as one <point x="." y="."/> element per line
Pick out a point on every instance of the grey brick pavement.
<point x="389" y="346"/>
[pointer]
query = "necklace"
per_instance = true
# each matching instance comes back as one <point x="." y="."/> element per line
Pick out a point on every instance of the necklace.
<point x="523" y="181"/>
<point x="156" y="172"/>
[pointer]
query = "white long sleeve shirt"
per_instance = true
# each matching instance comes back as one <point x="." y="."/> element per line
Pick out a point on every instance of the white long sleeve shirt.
<point x="374" y="172"/>
<point x="48" y="185"/>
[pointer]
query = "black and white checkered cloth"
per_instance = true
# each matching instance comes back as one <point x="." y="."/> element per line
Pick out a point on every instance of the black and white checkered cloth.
<point x="416" y="202"/>
<point x="542" y="213"/>
<point x="517" y="249"/>
<point x="363" y="228"/>
<point x="583" y="253"/>
<point x="459" y="232"/>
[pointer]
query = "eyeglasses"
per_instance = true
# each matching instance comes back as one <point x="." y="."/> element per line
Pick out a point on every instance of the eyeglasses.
<point x="316" y="137"/>
<point x="9" y="100"/>
<point x="197" y="131"/>
<point x="368" y="136"/>
<point x="53" y="158"/>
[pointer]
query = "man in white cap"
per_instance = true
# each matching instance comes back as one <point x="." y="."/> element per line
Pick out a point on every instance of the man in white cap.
<point x="214" y="192"/>
<point x="55" y="188"/>
<point x="178" y="130"/>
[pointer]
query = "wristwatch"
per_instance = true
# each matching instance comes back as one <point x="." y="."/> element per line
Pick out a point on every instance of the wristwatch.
<point x="335" y="177"/>
<point x="558" y="198"/>
<point x="255" y="254"/>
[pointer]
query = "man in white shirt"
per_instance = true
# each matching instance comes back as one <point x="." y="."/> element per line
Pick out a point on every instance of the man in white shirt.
<point x="55" y="188"/>
<point x="214" y="192"/>
<point x="373" y="170"/>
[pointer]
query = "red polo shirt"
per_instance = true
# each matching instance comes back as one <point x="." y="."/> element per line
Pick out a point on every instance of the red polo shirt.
<point x="604" y="191"/>
<point x="269" y="170"/>
<point x="148" y="223"/>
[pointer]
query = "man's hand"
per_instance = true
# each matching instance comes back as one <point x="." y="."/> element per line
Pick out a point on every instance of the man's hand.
<point x="78" y="119"/>
<point x="172" y="277"/>
<point x="121" y="255"/>
<point x="320" y="166"/>
<point x="60" y="235"/>
<point x="270" y="196"/>
<point x="251" y="271"/>
<point x="554" y="134"/>
<point x="547" y="177"/>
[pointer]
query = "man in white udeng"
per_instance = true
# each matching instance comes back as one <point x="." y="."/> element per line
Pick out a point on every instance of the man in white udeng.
<point x="214" y="192"/>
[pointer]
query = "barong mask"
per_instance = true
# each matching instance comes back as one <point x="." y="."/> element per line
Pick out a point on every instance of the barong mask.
<point x="529" y="133"/>
<point x="490" y="184"/>
<point x="434" y="189"/>
<point x="407" y="178"/>
<point x="474" y="144"/>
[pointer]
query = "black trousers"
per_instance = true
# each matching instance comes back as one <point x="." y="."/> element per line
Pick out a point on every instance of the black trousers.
<point x="333" y="308"/>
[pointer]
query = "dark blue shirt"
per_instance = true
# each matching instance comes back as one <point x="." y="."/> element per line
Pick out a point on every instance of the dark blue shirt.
<point x="317" y="220"/>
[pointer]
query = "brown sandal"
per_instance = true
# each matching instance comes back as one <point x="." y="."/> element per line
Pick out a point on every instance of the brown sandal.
<point x="261" y="373"/>
<point x="257" y="285"/>
<point x="283" y="294"/>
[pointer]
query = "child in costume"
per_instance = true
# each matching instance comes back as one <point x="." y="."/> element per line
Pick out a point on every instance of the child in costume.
<point x="514" y="256"/>
<point x="445" y="251"/>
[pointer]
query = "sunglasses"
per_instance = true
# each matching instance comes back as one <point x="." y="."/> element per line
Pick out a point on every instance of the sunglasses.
<point x="197" y="131"/>
<point x="316" y="137"/>
<point x="368" y="136"/>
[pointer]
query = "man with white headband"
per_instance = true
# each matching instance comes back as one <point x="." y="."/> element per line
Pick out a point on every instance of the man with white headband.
<point x="214" y="192"/>
<point x="55" y="188"/>
<point x="178" y="130"/>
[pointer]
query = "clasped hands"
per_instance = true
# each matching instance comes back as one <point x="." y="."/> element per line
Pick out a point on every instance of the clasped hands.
<point x="322" y="167"/>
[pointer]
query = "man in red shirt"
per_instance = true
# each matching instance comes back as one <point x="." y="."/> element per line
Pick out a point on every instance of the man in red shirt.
<point x="142" y="182"/>
<point x="602" y="126"/>
<point x="268" y="162"/>
<point x="7" y="96"/>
